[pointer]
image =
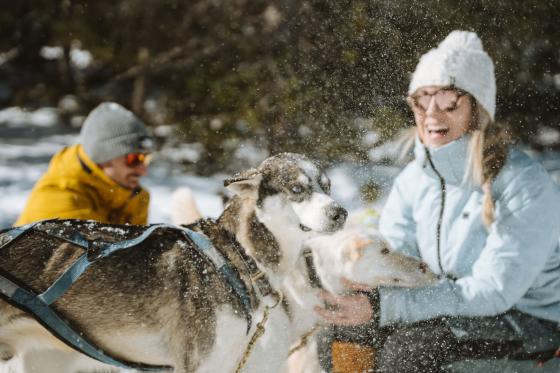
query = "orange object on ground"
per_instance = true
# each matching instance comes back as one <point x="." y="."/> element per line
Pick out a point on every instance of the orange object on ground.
<point x="352" y="358"/>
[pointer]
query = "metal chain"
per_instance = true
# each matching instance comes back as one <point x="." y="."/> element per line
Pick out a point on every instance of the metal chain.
<point x="303" y="340"/>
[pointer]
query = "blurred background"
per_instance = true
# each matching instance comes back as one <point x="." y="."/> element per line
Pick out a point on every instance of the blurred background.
<point x="223" y="84"/>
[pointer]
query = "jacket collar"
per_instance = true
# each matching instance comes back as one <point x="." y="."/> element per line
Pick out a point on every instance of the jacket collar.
<point x="449" y="160"/>
<point x="108" y="190"/>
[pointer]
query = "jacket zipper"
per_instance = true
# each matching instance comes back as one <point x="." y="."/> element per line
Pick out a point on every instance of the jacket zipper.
<point x="440" y="218"/>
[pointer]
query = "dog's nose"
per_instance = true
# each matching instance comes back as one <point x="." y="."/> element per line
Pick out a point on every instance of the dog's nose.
<point x="337" y="214"/>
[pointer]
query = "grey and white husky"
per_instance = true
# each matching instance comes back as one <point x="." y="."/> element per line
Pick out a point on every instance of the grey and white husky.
<point x="158" y="304"/>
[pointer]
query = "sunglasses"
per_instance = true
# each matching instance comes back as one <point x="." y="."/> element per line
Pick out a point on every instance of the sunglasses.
<point x="446" y="100"/>
<point x="136" y="159"/>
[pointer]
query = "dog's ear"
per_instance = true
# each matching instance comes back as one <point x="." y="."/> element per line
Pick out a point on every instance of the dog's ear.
<point x="245" y="183"/>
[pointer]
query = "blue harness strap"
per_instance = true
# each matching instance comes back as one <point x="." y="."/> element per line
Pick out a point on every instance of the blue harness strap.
<point x="38" y="305"/>
<point x="59" y="327"/>
<point x="63" y="283"/>
<point x="11" y="234"/>
<point x="200" y="241"/>
<point x="224" y="269"/>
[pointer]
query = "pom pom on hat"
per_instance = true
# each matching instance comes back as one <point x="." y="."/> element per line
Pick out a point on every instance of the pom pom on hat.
<point x="462" y="40"/>
<point x="460" y="61"/>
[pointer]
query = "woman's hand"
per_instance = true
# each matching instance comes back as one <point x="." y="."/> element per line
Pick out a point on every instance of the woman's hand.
<point x="347" y="310"/>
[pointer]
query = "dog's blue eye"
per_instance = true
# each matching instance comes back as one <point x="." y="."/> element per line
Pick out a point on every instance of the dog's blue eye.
<point x="297" y="189"/>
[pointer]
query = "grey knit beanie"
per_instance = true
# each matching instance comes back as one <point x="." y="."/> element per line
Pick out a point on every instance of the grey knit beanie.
<point x="111" y="131"/>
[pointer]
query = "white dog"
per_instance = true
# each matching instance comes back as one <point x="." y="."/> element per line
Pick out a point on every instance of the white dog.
<point x="358" y="253"/>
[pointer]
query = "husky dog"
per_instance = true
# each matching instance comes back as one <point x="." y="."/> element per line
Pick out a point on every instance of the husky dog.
<point x="362" y="255"/>
<point x="158" y="303"/>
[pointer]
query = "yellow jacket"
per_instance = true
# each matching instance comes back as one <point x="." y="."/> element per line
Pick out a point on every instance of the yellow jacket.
<point x="76" y="188"/>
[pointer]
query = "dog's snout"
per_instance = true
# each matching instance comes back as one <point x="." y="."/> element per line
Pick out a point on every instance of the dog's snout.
<point x="337" y="214"/>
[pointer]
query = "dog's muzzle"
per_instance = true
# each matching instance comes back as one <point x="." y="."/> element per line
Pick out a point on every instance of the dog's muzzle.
<point x="337" y="215"/>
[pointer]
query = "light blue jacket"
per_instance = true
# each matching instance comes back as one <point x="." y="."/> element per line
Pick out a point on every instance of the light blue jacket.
<point x="514" y="264"/>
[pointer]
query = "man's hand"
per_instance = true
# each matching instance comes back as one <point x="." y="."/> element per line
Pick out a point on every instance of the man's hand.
<point x="346" y="310"/>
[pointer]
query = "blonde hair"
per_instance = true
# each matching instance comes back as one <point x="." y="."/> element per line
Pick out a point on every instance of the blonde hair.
<point x="488" y="151"/>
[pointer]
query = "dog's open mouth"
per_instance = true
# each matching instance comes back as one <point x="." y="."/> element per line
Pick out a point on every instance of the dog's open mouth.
<point x="304" y="228"/>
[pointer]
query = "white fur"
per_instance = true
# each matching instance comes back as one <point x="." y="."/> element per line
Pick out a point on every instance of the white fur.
<point x="270" y="351"/>
<point x="55" y="361"/>
<point x="362" y="256"/>
<point x="27" y="334"/>
<point x="283" y="222"/>
<point x="184" y="209"/>
<point x="365" y="258"/>
<point x="229" y="327"/>
<point x="39" y="351"/>
<point x="313" y="212"/>
<point x="282" y="218"/>
<point x="304" y="179"/>
<point x="324" y="179"/>
<point x="309" y="168"/>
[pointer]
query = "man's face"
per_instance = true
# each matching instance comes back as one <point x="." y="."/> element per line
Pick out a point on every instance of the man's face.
<point x="124" y="173"/>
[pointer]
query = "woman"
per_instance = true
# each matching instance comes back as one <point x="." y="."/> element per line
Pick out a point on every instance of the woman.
<point x="482" y="215"/>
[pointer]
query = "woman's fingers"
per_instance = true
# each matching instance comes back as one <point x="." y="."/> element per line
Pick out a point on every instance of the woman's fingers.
<point x="332" y="316"/>
<point x="336" y="317"/>
<point x="349" y="310"/>
<point x="353" y="285"/>
<point x="328" y="297"/>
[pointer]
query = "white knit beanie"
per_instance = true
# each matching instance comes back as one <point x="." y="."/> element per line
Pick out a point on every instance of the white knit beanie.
<point x="459" y="61"/>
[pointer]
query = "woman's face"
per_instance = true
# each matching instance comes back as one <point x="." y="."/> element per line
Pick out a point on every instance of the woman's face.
<point x="442" y="114"/>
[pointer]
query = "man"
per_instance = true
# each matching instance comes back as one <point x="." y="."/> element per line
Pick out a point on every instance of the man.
<point x="98" y="179"/>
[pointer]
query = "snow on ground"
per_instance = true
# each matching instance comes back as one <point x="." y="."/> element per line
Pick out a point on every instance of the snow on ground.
<point x="14" y="117"/>
<point x="24" y="157"/>
<point x="28" y="139"/>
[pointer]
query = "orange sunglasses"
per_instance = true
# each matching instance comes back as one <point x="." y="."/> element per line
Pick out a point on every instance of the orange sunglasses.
<point x="136" y="159"/>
